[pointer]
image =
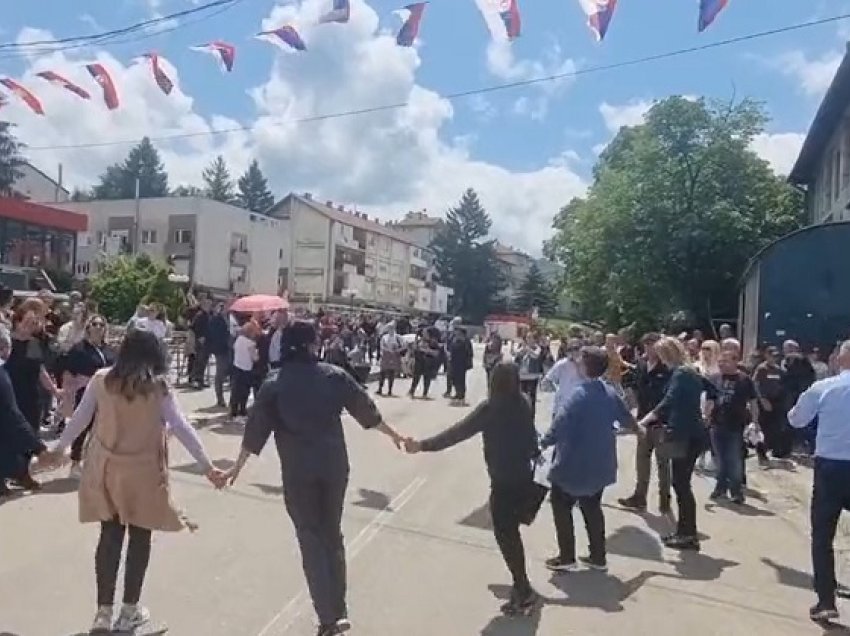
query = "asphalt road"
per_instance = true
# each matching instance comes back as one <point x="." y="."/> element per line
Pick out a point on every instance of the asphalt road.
<point x="422" y="560"/>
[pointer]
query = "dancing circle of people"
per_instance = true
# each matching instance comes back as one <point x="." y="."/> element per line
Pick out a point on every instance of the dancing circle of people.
<point x="686" y="398"/>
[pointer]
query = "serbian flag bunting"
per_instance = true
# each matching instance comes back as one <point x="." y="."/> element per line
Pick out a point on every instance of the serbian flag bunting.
<point x="222" y="51"/>
<point x="55" y="78"/>
<point x="101" y="76"/>
<point x="285" y="37"/>
<point x="599" y="14"/>
<point x="341" y="12"/>
<point x="709" y="10"/>
<point x="412" y="16"/>
<point x="510" y="16"/>
<point x="28" y="98"/>
<point x="162" y="80"/>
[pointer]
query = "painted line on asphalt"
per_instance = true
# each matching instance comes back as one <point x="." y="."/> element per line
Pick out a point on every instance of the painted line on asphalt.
<point x="293" y="610"/>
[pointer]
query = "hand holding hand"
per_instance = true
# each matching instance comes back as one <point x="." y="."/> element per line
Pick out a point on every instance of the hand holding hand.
<point x="230" y="475"/>
<point x="217" y="478"/>
<point x="412" y="446"/>
<point x="50" y="459"/>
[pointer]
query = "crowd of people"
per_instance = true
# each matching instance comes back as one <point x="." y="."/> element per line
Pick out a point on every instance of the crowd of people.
<point x="686" y="397"/>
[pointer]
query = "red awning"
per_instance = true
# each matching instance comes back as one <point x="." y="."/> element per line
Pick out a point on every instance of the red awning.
<point x="42" y="215"/>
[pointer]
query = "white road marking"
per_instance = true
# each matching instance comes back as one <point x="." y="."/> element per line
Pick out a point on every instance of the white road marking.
<point x="293" y="610"/>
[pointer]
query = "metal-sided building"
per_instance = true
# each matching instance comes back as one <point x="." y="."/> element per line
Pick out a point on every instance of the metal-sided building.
<point x="798" y="287"/>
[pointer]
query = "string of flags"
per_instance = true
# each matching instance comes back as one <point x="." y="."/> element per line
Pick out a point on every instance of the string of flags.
<point x="502" y="17"/>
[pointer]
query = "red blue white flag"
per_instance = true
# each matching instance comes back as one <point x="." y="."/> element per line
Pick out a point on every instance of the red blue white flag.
<point x="285" y="37"/>
<point x="162" y="80"/>
<point x="599" y="15"/>
<point x="223" y="52"/>
<point x="412" y="16"/>
<point x="510" y="17"/>
<point x="23" y="94"/>
<point x="709" y="10"/>
<point x="102" y="77"/>
<point x="341" y="12"/>
<point x="55" y="78"/>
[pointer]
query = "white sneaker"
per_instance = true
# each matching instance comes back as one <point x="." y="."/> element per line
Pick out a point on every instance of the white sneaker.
<point x="131" y="617"/>
<point x="102" y="620"/>
<point x="76" y="471"/>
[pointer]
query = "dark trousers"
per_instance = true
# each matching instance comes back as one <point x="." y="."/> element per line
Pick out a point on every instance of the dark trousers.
<point x="222" y="372"/>
<point x="315" y="507"/>
<point x="594" y="522"/>
<point x="506" y="503"/>
<point x="79" y="444"/>
<point x="728" y="457"/>
<point x="426" y="383"/>
<point x="199" y="369"/>
<point x="240" y="391"/>
<point x="646" y="445"/>
<point x="830" y="495"/>
<point x="777" y="434"/>
<point x="529" y="387"/>
<point x="458" y="379"/>
<point x="108" y="557"/>
<point x="387" y="375"/>
<point x="682" y="471"/>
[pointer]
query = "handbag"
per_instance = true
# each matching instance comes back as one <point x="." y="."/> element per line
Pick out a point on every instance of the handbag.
<point x="671" y="446"/>
<point x="538" y="488"/>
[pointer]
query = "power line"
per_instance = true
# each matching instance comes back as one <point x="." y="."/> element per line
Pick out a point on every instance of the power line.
<point x="94" y="37"/>
<point x="129" y="37"/>
<point x="477" y="91"/>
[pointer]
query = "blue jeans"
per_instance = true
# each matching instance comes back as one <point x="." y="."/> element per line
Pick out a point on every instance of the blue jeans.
<point x="728" y="456"/>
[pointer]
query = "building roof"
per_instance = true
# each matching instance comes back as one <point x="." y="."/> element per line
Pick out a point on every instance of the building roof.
<point x="48" y="177"/>
<point x="827" y="119"/>
<point x="761" y="253"/>
<point x="53" y="217"/>
<point x="419" y="219"/>
<point x="352" y="218"/>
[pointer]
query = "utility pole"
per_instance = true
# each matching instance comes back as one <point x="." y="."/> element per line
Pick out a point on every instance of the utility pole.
<point x="137" y="220"/>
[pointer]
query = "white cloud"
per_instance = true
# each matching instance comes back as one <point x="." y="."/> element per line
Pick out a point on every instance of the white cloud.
<point x="813" y="75"/>
<point x="385" y="162"/>
<point x="780" y="150"/>
<point x="631" y="113"/>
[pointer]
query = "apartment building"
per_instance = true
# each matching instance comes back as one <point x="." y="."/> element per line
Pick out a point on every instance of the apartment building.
<point x="419" y="226"/>
<point x="221" y="248"/>
<point x="36" y="185"/>
<point x="339" y="255"/>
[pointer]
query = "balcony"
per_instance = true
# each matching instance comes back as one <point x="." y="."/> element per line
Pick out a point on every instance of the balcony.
<point x="179" y="250"/>
<point x="239" y="257"/>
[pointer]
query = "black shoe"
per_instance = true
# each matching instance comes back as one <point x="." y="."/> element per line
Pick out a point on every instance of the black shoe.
<point x="4" y="489"/>
<point x="633" y="503"/>
<point x="821" y="613"/>
<point x="342" y="626"/>
<point x="27" y="483"/>
<point x="678" y="542"/>
<point x="520" y="602"/>
<point x="600" y="565"/>
<point x="738" y="499"/>
<point x="559" y="564"/>
<point x="717" y="495"/>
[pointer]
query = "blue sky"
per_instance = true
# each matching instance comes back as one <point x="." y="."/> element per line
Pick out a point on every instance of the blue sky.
<point x="527" y="150"/>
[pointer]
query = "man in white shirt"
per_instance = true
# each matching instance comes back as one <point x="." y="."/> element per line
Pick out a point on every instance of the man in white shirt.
<point x="565" y="375"/>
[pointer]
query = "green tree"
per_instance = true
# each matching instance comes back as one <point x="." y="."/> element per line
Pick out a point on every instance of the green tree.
<point x="11" y="160"/>
<point x="122" y="283"/>
<point x="187" y="191"/>
<point x="142" y="163"/>
<point x="254" y="193"/>
<point x="217" y="179"/>
<point x="466" y="259"/>
<point x="535" y="291"/>
<point x="678" y="206"/>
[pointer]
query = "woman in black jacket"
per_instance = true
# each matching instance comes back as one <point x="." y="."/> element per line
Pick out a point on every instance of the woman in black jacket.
<point x="510" y="446"/>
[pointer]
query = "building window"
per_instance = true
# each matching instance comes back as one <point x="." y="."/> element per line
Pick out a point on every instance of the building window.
<point x="148" y="237"/>
<point x="182" y="237"/>
<point x="280" y="254"/>
<point x="100" y="239"/>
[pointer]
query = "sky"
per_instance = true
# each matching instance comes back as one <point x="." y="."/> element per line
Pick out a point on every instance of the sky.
<point x="526" y="150"/>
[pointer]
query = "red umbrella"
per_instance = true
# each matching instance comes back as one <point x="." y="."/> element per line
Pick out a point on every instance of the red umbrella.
<point x="258" y="303"/>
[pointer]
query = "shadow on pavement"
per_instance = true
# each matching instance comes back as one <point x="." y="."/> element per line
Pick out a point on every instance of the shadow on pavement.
<point x="791" y="577"/>
<point x="61" y="486"/>
<point x="660" y="524"/>
<point x="373" y="500"/>
<point x="268" y="489"/>
<point x="478" y="518"/>
<point x="502" y="625"/>
<point x="635" y="542"/>
<point x="744" y="509"/>
<point x="752" y="493"/>
<point x="696" y="566"/>
<point x="196" y="469"/>
<point x="600" y="590"/>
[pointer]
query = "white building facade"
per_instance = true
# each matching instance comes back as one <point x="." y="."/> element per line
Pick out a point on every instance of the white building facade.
<point x="219" y="247"/>
<point x="343" y="256"/>
<point x="39" y="187"/>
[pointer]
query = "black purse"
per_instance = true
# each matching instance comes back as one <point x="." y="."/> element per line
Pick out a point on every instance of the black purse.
<point x="533" y="502"/>
<point x="671" y="446"/>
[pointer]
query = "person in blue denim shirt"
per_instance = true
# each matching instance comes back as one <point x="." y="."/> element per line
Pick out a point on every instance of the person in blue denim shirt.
<point x="584" y="434"/>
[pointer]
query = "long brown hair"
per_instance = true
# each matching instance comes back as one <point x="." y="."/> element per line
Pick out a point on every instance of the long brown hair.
<point x="140" y="367"/>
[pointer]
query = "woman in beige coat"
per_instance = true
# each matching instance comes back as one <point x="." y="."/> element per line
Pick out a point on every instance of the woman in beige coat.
<point x="124" y="484"/>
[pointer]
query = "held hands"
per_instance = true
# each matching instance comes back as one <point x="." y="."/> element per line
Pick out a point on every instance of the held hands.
<point x="412" y="446"/>
<point x="217" y="477"/>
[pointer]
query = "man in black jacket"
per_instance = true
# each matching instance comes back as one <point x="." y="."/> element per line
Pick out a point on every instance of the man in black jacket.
<point x="218" y="346"/>
<point x="201" y="329"/>
<point x="460" y="361"/>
